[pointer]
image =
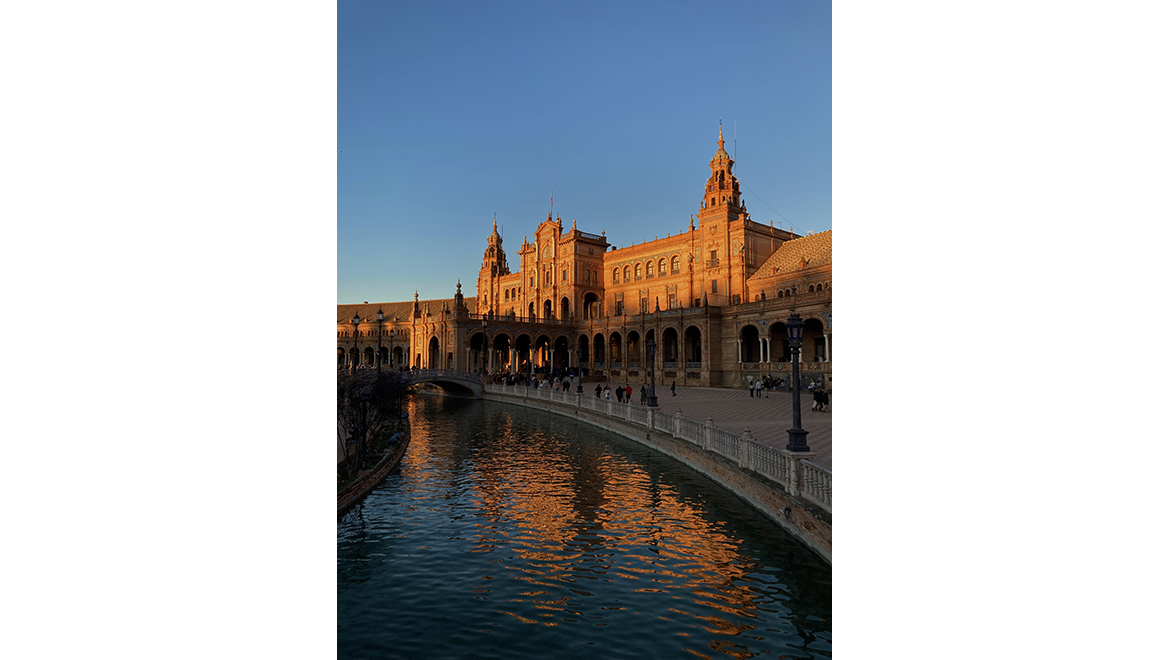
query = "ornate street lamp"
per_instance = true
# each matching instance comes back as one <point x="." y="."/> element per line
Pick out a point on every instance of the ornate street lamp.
<point x="356" y="356"/>
<point x="651" y="401"/>
<point x="379" y="358"/>
<point x="580" y="373"/>
<point x="796" y="435"/>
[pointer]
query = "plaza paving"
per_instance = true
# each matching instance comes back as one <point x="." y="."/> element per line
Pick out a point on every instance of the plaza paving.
<point x="733" y="410"/>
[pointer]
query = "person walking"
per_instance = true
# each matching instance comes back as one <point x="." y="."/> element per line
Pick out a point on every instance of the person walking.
<point x="759" y="389"/>
<point x="620" y="391"/>
<point x="643" y="401"/>
<point x="607" y="391"/>
<point x="599" y="390"/>
<point x="672" y="388"/>
<point x="751" y="390"/>
<point x="629" y="393"/>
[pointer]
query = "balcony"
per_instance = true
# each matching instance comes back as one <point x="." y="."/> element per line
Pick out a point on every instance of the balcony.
<point x="712" y="263"/>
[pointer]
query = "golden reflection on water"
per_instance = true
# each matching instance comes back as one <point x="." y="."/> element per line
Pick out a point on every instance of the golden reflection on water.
<point x="596" y="516"/>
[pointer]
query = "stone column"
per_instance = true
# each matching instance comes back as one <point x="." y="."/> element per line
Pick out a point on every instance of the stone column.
<point x="768" y="345"/>
<point x="827" y="348"/>
<point x="739" y="348"/>
<point x="761" y="350"/>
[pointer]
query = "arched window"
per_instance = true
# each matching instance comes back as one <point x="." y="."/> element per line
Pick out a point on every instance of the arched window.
<point x="779" y="294"/>
<point x="615" y="276"/>
<point x="810" y="288"/>
<point x="649" y="269"/>
<point x="820" y="288"/>
<point x="662" y="266"/>
<point x="637" y="271"/>
<point x="674" y="265"/>
<point x="626" y="274"/>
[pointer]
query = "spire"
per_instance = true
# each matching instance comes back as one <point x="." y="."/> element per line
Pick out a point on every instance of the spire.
<point x="721" y="134"/>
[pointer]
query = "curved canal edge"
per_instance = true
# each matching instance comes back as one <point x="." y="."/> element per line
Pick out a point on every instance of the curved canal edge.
<point x="367" y="482"/>
<point x="803" y="520"/>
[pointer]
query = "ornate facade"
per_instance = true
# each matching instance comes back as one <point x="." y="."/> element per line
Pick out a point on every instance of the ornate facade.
<point x="713" y="298"/>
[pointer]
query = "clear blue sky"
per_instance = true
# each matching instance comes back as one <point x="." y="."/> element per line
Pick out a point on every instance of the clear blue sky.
<point x="450" y="112"/>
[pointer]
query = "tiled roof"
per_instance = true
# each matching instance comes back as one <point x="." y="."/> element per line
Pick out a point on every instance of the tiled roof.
<point x="798" y="254"/>
<point x="402" y="310"/>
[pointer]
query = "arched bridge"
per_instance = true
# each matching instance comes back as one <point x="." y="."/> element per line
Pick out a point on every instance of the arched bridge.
<point x="458" y="383"/>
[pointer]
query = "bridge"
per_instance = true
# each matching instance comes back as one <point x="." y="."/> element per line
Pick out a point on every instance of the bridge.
<point x="454" y="382"/>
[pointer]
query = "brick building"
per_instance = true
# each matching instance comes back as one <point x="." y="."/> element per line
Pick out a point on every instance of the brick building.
<point x="714" y="298"/>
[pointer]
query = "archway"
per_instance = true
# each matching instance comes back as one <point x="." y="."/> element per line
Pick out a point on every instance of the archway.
<point x="384" y="356"/>
<point x="340" y="357"/>
<point x="583" y="353"/>
<point x="532" y="311"/>
<point x="399" y="356"/>
<point x="778" y="333"/>
<point x="524" y="355"/>
<point x="669" y="348"/>
<point x="693" y="346"/>
<point x="543" y="353"/>
<point x="615" y="350"/>
<point x="500" y="356"/>
<point x="548" y="313"/>
<point x="478" y="345"/>
<point x="749" y="344"/>
<point x="433" y="353"/>
<point x="812" y="346"/>
<point x="599" y="350"/>
<point x="368" y="356"/>
<point x="633" y="349"/>
<point x="560" y="354"/>
<point x="592" y="306"/>
<point x="564" y="309"/>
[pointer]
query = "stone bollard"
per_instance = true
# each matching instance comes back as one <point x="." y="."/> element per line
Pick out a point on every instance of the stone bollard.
<point x="708" y="435"/>
<point x="792" y="481"/>
<point x="650" y="418"/>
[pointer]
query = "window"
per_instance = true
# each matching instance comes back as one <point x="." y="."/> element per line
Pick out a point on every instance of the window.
<point x="662" y="266"/>
<point x="714" y="255"/>
<point x="645" y="305"/>
<point x="714" y="286"/>
<point x="649" y="269"/>
<point x="626" y="274"/>
<point x="637" y="271"/>
<point x="565" y="275"/>
<point x="735" y="299"/>
<point x="615" y="276"/>
<point x="674" y="265"/>
<point x="810" y="288"/>
<point x="532" y="281"/>
<point x="673" y="298"/>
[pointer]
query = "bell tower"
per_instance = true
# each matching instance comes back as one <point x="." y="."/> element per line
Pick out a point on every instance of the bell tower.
<point x="495" y="266"/>
<point x="722" y="224"/>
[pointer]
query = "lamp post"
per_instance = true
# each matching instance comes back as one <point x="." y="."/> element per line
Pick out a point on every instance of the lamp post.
<point x="580" y="354"/>
<point x="651" y="401"/>
<point x="353" y="363"/>
<point x="796" y="435"/>
<point x="379" y="357"/>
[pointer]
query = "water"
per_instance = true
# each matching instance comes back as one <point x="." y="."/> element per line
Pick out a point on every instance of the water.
<point x="514" y="533"/>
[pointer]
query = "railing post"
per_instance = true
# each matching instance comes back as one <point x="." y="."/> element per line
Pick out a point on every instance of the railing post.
<point x="793" y="479"/>
<point x="675" y="425"/>
<point x="709" y="435"/>
<point x="650" y="418"/>
<point x="744" y="443"/>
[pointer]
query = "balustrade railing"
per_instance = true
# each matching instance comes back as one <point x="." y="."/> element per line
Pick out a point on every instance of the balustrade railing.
<point x="799" y="477"/>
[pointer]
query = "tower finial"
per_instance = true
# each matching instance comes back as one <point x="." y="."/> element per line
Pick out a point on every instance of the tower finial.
<point x="720" y="133"/>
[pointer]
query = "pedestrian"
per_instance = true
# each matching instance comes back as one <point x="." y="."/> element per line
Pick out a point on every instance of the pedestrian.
<point x="824" y="400"/>
<point x="751" y="392"/>
<point x="672" y="389"/>
<point x="759" y="389"/>
<point x="599" y="390"/>
<point x="607" y="392"/>
<point x="620" y="392"/>
<point x="643" y="401"/>
<point x="629" y="393"/>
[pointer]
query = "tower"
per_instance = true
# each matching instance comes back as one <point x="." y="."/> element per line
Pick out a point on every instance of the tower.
<point x="495" y="265"/>
<point x="722" y="224"/>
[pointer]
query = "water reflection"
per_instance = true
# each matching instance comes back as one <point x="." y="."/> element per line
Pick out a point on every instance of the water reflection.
<point x="525" y="534"/>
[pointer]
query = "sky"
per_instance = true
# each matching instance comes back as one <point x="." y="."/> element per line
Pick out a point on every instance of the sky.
<point x="451" y="113"/>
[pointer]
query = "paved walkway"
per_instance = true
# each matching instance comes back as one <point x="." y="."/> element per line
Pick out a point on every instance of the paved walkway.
<point x="733" y="410"/>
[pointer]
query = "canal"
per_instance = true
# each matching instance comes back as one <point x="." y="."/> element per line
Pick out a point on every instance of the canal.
<point x="514" y="533"/>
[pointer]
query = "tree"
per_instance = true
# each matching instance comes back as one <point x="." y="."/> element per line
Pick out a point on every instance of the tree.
<point x="367" y="404"/>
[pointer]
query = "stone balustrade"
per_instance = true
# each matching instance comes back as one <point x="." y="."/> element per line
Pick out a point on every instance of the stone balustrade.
<point x="789" y="470"/>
